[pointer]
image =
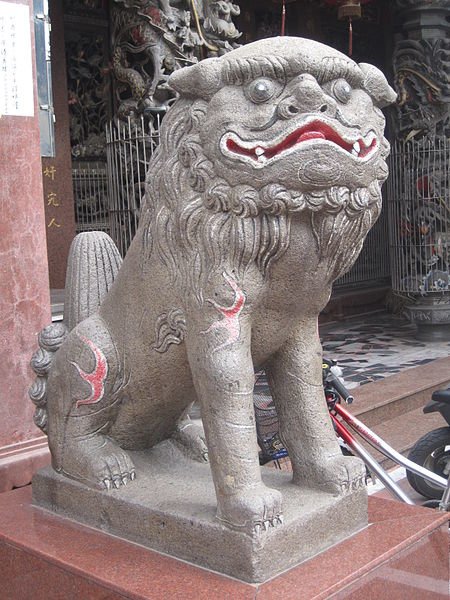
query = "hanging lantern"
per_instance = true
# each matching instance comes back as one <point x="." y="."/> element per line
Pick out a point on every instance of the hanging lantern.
<point x="348" y="9"/>
<point x="283" y="13"/>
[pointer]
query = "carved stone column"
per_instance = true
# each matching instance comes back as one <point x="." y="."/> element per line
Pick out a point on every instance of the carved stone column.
<point x="420" y="205"/>
<point x="424" y="19"/>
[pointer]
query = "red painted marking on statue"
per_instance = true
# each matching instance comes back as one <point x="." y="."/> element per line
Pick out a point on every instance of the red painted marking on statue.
<point x="96" y="379"/>
<point x="230" y="321"/>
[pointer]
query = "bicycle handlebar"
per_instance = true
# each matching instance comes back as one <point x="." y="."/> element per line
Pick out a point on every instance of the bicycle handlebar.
<point x="340" y="388"/>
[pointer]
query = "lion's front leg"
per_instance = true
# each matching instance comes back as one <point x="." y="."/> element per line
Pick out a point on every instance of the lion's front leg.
<point x="295" y="379"/>
<point x="223" y="375"/>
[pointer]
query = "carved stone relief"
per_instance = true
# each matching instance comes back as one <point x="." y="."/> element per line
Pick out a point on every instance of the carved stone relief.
<point x="88" y="91"/>
<point x="151" y="39"/>
<point x="422" y="70"/>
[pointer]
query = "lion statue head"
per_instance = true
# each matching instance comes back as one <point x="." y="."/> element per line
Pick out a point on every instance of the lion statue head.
<point x="279" y="129"/>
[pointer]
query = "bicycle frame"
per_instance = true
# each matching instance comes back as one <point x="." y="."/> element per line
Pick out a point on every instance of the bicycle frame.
<point x="273" y="448"/>
<point x="379" y="444"/>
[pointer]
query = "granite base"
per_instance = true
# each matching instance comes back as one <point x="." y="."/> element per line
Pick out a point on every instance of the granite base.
<point x="19" y="462"/>
<point x="171" y="508"/>
<point x="403" y="553"/>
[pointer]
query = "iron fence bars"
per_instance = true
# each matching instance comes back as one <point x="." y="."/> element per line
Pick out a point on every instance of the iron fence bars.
<point x="91" y="196"/>
<point x="129" y="146"/>
<point x="372" y="266"/>
<point x="419" y="216"/>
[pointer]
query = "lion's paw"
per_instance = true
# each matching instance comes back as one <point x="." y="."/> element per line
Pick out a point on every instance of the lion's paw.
<point x="338" y="475"/>
<point x="253" y="510"/>
<point x="98" y="462"/>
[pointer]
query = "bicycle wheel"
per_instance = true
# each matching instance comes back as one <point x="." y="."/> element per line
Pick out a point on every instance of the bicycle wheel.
<point x="431" y="451"/>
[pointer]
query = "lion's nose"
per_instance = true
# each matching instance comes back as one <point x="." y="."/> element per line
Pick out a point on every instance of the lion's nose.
<point x="306" y="96"/>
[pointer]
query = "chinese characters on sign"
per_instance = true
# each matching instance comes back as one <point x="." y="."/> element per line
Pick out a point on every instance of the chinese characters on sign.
<point x="16" y="74"/>
<point x="52" y="198"/>
<point x="50" y="172"/>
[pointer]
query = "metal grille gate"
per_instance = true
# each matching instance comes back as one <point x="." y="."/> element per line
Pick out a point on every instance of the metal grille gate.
<point x="372" y="266"/>
<point x="91" y="196"/>
<point x="129" y="147"/>
<point x="419" y="216"/>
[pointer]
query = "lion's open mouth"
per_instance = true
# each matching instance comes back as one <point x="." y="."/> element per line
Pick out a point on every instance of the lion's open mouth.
<point x="359" y="148"/>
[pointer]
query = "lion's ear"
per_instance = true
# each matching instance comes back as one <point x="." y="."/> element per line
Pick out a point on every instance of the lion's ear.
<point x="201" y="80"/>
<point x="376" y="85"/>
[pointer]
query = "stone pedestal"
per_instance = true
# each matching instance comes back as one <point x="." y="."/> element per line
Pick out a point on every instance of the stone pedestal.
<point x="171" y="508"/>
<point x="431" y="315"/>
<point x="24" y="288"/>
<point x="403" y="553"/>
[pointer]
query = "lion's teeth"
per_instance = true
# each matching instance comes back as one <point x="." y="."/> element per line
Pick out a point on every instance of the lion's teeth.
<point x="356" y="149"/>
<point x="262" y="158"/>
<point x="259" y="151"/>
<point x="368" y="140"/>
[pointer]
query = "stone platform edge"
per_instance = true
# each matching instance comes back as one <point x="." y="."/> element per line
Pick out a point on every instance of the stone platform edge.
<point x="47" y="557"/>
<point x="171" y="508"/>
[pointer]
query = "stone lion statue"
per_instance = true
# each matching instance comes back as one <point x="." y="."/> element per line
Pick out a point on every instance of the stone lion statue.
<point x="265" y="183"/>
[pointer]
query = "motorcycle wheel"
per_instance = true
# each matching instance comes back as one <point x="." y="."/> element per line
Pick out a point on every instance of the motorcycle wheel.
<point x="431" y="451"/>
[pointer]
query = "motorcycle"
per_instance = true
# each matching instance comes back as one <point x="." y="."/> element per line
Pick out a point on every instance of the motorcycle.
<point x="432" y="451"/>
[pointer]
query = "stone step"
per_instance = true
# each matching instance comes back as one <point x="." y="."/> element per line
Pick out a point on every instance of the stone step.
<point x="384" y="400"/>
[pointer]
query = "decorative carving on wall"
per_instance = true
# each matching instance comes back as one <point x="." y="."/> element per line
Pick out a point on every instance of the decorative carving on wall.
<point x="422" y="70"/>
<point x="82" y="7"/>
<point x="88" y="91"/>
<point x="218" y="24"/>
<point x="419" y="4"/>
<point x="153" y="38"/>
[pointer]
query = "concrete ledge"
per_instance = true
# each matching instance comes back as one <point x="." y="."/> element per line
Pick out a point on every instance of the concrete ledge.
<point x="171" y="506"/>
<point x="19" y="462"/>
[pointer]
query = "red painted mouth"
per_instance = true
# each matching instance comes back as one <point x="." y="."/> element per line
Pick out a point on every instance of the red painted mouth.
<point x="316" y="130"/>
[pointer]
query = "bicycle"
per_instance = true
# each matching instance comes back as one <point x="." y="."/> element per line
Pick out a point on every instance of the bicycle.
<point x="273" y="449"/>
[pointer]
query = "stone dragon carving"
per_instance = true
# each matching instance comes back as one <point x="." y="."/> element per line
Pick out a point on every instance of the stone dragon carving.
<point x="152" y="38"/>
<point x="421" y="70"/>
<point x="265" y="183"/>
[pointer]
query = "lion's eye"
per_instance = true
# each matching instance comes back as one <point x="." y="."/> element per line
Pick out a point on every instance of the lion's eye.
<point x="261" y="90"/>
<point x="342" y="90"/>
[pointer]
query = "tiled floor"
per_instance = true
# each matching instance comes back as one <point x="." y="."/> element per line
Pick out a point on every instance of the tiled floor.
<point x="376" y="346"/>
<point x="373" y="347"/>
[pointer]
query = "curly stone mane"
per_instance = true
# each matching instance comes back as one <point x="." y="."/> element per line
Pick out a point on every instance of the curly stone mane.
<point x="217" y="224"/>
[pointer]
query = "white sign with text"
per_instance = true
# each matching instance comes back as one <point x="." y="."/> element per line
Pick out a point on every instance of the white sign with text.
<point x="16" y="69"/>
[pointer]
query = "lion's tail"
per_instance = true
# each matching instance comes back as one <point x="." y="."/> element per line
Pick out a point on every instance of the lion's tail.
<point x="92" y="266"/>
<point x="50" y="340"/>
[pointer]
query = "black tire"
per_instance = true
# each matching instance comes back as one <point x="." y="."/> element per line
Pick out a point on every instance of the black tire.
<point x="430" y="452"/>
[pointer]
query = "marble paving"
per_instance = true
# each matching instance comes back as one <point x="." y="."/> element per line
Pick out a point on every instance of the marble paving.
<point x="373" y="347"/>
